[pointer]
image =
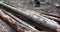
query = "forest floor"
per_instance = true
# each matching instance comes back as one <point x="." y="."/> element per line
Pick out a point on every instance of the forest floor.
<point x="24" y="4"/>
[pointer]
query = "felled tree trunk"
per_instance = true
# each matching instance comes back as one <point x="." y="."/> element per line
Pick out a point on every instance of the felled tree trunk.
<point x="4" y="27"/>
<point x="35" y="17"/>
<point x="36" y="25"/>
<point x="20" y="21"/>
<point x="15" y="24"/>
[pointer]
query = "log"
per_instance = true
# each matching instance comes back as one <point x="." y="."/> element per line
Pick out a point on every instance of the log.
<point x="19" y="20"/>
<point x="51" y="17"/>
<point x="28" y="26"/>
<point x="4" y="27"/>
<point x="15" y="24"/>
<point x="51" y="24"/>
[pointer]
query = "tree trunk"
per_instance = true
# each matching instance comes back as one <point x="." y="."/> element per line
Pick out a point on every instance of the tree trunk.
<point x="35" y="17"/>
<point x="19" y="27"/>
<point x="4" y="27"/>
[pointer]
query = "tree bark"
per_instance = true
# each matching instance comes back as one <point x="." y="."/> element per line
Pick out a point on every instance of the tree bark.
<point x="4" y="27"/>
<point x="19" y="27"/>
<point x="28" y="26"/>
<point x="35" y="17"/>
<point x="20" y="21"/>
<point x="52" y="18"/>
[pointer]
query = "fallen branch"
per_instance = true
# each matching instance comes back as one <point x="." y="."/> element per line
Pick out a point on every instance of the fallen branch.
<point x="51" y="17"/>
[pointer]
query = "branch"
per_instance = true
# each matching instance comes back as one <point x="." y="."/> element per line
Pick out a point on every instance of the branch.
<point x="51" y="17"/>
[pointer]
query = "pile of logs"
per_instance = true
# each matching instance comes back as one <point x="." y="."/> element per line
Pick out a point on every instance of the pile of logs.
<point x="45" y="22"/>
<point x="19" y="27"/>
